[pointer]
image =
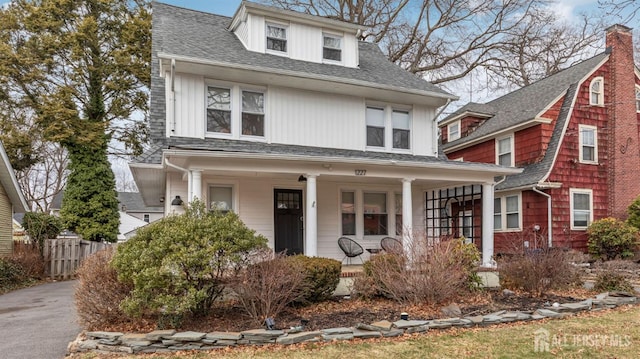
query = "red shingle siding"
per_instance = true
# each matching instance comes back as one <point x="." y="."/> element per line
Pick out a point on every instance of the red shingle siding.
<point x="484" y="152"/>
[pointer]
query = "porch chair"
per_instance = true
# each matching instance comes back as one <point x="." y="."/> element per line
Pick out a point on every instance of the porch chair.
<point x="391" y="245"/>
<point x="350" y="248"/>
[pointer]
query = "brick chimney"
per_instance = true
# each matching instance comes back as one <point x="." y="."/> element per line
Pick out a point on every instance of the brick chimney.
<point x="623" y="149"/>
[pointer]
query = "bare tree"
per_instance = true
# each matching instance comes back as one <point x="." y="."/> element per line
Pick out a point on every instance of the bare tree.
<point x="41" y="182"/>
<point x="624" y="11"/>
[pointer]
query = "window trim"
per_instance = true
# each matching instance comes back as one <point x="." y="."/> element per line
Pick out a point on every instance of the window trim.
<point x="355" y="211"/>
<point x="242" y="90"/>
<point x="637" y="98"/>
<point x="235" y="202"/>
<point x="334" y="36"/>
<point x="581" y="145"/>
<point x="359" y="191"/>
<point x="503" y="213"/>
<point x="388" y="109"/>
<point x="286" y="38"/>
<point x="512" y="149"/>
<point x="573" y="191"/>
<point x="449" y="137"/>
<point x="599" y="93"/>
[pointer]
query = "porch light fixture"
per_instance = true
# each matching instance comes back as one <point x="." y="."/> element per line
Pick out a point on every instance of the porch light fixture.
<point x="302" y="178"/>
<point x="177" y="201"/>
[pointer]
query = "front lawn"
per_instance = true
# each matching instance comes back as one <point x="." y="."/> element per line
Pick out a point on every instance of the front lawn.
<point x="610" y="333"/>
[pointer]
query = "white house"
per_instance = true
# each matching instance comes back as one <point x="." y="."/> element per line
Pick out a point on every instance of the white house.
<point x="304" y="131"/>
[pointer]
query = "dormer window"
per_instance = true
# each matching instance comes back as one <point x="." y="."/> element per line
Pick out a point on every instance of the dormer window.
<point x="453" y="131"/>
<point x="331" y="47"/>
<point x="276" y="38"/>
<point x="596" y="92"/>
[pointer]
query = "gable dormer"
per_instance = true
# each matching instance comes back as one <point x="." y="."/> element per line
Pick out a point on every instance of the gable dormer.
<point x="278" y="32"/>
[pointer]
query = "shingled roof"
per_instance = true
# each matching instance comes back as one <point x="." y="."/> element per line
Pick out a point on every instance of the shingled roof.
<point x="197" y="34"/>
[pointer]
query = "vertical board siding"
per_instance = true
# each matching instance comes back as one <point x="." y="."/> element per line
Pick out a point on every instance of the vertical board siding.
<point x="6" y="224"/>
<point x="304" y="42"/>
<point x="189" y="106"/>
<point x="350" y="51"/>
<point x="256" y="32"/>
<point x="242" y="32"/>
<point x="422" y="127"/>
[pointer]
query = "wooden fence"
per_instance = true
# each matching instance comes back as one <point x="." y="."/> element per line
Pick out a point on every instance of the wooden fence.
<point x="64" y="255"/>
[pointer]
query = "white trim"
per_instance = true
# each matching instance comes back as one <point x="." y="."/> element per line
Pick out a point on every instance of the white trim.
<point x="512" y="129"/>
<point x="449" y="137"/>
<point x="600" y="93"/>
<point x="280" y="25"/>
<point x="503" y="213"/>
<point x="388" y="110"/>
<point x="637" y="98"/>
<point x="581" y="128"/>
<point x="340" y="38"/>
<point x="512" y="151"/>
<point x="226" y="184"/>
<point x="464" y="114"/>
<point x="573" y="191"/>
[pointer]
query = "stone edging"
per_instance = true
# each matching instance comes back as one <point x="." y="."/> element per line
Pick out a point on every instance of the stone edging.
<point x="166" y="341"/>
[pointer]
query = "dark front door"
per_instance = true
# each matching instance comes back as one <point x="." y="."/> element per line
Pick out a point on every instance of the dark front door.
<point x="288" y="220"/>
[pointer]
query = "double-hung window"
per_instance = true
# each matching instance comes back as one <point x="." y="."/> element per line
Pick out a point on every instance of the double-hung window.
<point x="504" y="151"/>
<point x="276" y="38"/>
<point x="388" y="128"/>
<point x="399" y="223"/>
<point x="218" y="109"/>
<point x="252" y="113"/>
<point x="401" y="129"/>
<point x="588" y="138"/>
<point x="506" y="213"/>
<point x="596" y="92"/>
<point x="375" y="214"/>
<point x="375" y="127"/>
<point x="331" y="47"/>
<point x="581" y="208"/>
<point x="453" y="131"/>
<point x="348" y="210"/>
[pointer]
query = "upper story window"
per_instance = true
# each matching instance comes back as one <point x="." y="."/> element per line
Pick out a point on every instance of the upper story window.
<point x="504" y="151"/>
<point x="596" y="91"/>
<point x="581" y="208"/>
<point x="506" y="213"/>
<point x="252" y="113"/>
<point x="331" y="47"/>
<point x="453" y="131"/>
<point x="277" y="38"/>
<point x="375" y="127"/>
<point x="588" y="138"/>
<point x="218" y="109"/>
<point x="388" y="128"/>
<point x="637" y="98"/>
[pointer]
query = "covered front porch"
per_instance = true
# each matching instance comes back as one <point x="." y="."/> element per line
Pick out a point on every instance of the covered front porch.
<point x="303" y="204"/>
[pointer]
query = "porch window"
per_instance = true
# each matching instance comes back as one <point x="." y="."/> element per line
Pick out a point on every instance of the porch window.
<point x="375" y="214"/>
<point x="506" y="213"/>
<point x="596" y="92"/>
<point x="588" y="137"/>
<point x="221" y="198"/>
<point x="399" y="225"/>
<point x="375" y="127"/>
<point x="504" y="151"/>
<point x="276" y="38"/>
<point x="331" y="49"/>
<point x="218" y="109"/>
<point x="453" y="131"/>
<point x="401" y="129"/>
<point x="581" y="208"/>
<point x="252" y="113"/>
<point x="348" y="210"/>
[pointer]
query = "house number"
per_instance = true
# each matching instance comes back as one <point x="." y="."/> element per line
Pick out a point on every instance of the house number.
<point x="361" y="172"/>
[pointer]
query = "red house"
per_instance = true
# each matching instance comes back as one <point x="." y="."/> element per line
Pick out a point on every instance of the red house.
<point x="575" y="134"/>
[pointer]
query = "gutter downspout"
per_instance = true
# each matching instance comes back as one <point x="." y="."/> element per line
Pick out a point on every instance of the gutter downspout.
<point x="189" y="189"/>
<point x="173" y="95"/>
<point x="549" y="230"/>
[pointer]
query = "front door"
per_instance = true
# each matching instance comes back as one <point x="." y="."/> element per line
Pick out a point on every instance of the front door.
<point x="288" y="218"/>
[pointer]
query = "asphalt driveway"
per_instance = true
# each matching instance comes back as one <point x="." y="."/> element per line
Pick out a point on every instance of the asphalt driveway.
<point x="38" y="322"/>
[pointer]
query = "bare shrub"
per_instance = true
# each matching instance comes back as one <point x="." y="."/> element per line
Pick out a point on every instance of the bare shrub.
<point x="610" y="280"/>
<point x="27" y="256"/>
<point x="537" y="272"/>
<point x="99" y="293"/>
<point x="266" y="287"/>
<point x="425" y="272"/>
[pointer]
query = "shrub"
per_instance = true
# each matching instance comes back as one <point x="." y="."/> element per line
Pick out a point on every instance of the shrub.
<point x="610" y="280"/>
<point x="28" y="256"/>
<point x="537" y="272"/>
<point x="322" y="276"/>
<point x="180" y="265"/>
<point x="634" y="213"/>
<point x="99" y="292"/>
<point x="423" y="273"/>
<point x="264" y="289"/>
<point x="41" y="226"/>
<point x="610" y="238"/>
<point x="12" y="275"/>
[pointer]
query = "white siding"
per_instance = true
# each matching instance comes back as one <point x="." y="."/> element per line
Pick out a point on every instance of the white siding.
<point x="190" y="106"/>
<point x="305" y="42"/>
<point x="422" y="131"/>
<point x="350" y="51"/>
<point x="314" y="119"/>
<point x="256" y="33"/>
<point x="242" y="32"/>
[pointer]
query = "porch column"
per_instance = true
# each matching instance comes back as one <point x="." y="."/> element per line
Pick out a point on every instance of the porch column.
<point x="196" y="186"/>
<point x="487" y="225"/>
<point x="407" y="214"/>
<point x="311" y="218"/>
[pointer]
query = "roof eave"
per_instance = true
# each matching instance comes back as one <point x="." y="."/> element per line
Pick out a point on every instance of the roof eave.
<point x="463" y="115"/>
<point x="13" y="188"/>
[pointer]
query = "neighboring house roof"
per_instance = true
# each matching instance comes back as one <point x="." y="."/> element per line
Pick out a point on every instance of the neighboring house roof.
<point x="526" y="103"/>
<point x="128" y="224"/>
<point x="190" y="33"/>
<point x="10" y="183"/>
<point x="132" y="202"/>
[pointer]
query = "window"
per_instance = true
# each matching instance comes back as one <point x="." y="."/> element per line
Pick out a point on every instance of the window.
<point x="276" y="38"/>
<point x="375" y="214"/>
<point x="218" y="110"/>
<point x="465" y="225"/>
<point x="504" y="151"/>
<point x="401" y="129"/>
<point x="399" y="224"/>
<point x="588" y="138"/>
<point x="221" y="198"/>
<point x="348" y="209"/>
<point x="581" y="208"/>
<point x="506" y="213"/>
<point x="453" y="131"/>
<point x="252" y="113"/>
<point x="637" y="98"/>
<point x="596" y="91"/>
<point x="331" y="49"/>
<point x="145" y="217"/>
<point x="375" y="127"/>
